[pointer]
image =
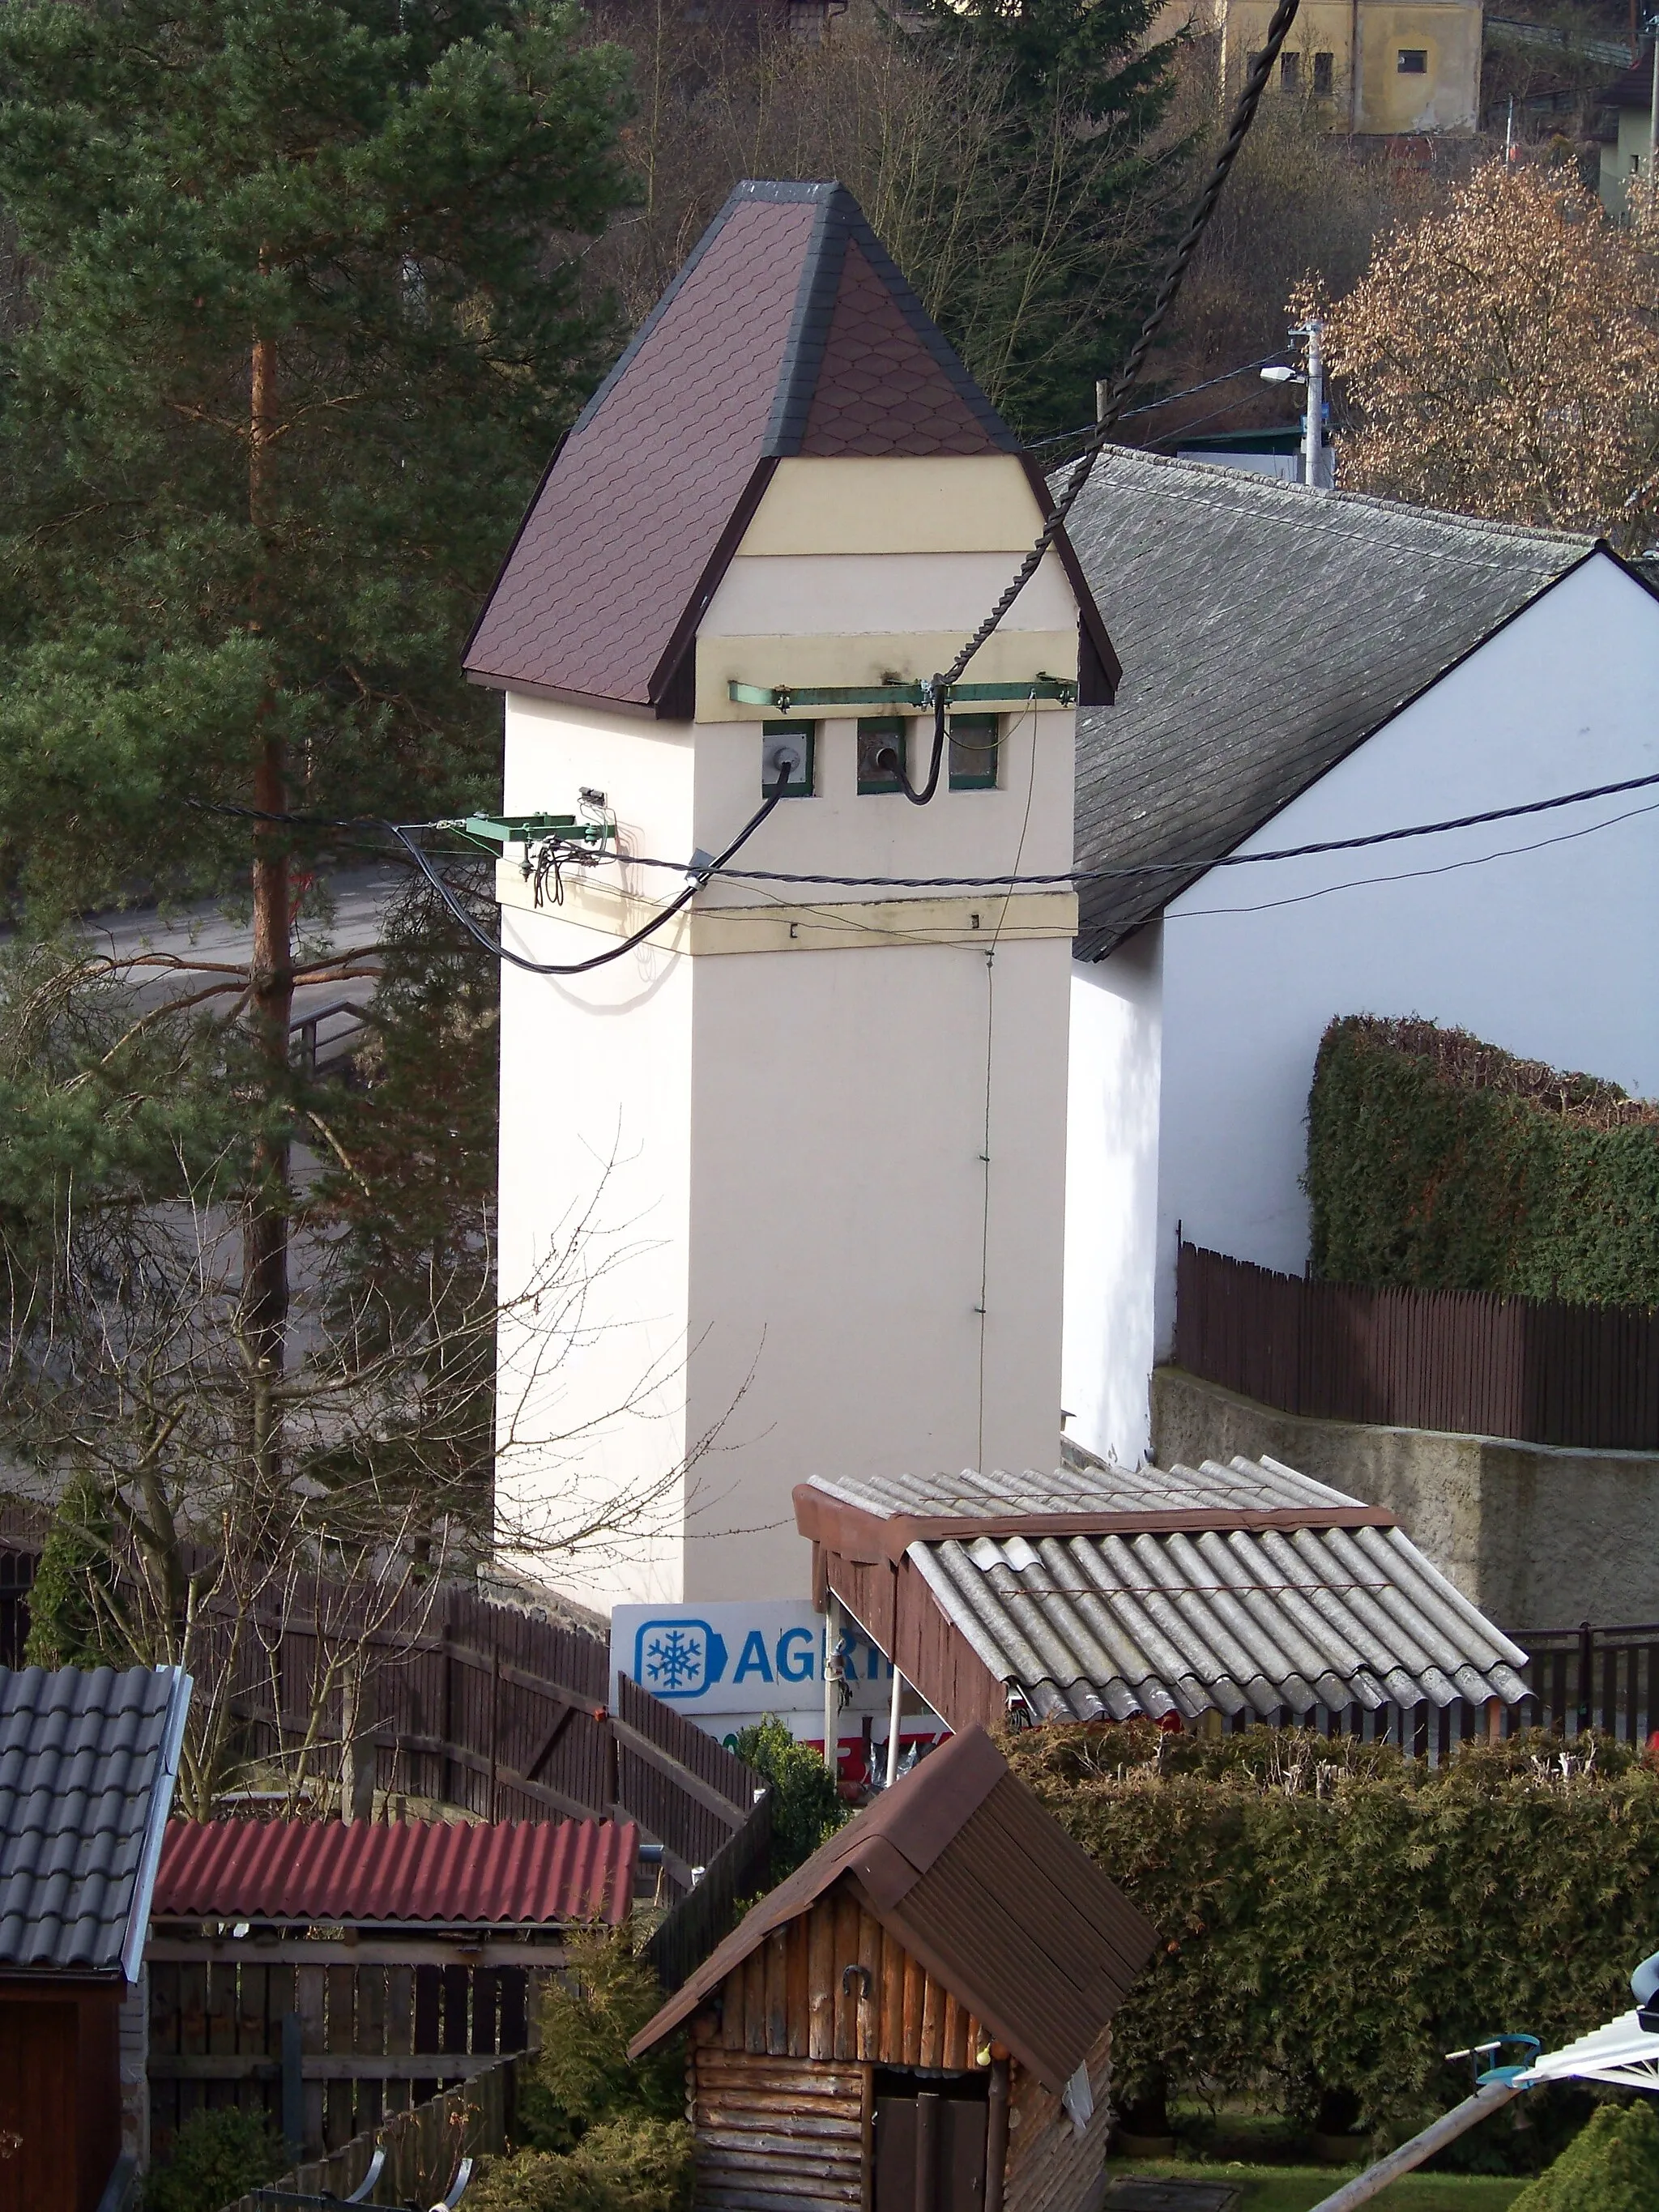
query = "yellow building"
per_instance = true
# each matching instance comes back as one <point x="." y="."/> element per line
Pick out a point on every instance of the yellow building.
<point x="1388" y="68"/>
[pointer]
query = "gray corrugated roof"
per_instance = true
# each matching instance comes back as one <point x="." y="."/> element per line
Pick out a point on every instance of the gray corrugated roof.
<point x="1264" y="631"/>
<point x="87" y="1759"/>
<point x="1232" y="1620"/>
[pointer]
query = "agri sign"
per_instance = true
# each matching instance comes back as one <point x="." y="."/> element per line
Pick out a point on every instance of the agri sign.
<point x="741" y="1660"/>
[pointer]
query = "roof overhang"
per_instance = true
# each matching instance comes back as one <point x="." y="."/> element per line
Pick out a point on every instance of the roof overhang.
<point x="858" y="1534"/>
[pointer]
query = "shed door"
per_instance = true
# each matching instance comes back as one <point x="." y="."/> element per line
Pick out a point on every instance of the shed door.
<point x="930" y="2144"/>
<point x="39" y="2054"/>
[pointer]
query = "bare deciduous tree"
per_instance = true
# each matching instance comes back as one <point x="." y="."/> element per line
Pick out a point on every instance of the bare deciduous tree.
<point x="1502" y="359"/>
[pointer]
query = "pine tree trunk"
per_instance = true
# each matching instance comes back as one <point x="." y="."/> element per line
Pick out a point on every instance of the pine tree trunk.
<point x="265" y="1293"/>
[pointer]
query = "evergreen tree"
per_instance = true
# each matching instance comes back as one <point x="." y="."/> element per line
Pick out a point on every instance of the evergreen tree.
<point x="1062" y="271"/>
<point x="298" y="330"/>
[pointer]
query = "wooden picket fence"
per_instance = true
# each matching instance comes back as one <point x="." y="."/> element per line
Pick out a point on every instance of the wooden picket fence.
<point x="423" y="2147"/>
<point x="373" y="2040"/>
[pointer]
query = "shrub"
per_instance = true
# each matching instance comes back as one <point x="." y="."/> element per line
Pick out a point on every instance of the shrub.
<point x="216" y="2157"/>
<point x="1439" y="1162"/>
<point x="807" y="1806"/>
<point x="637" y="2164"/>
<point x="582" y="2075"/>
<point x="1613" y="2167"/>
<point x="1333" y="1918"/>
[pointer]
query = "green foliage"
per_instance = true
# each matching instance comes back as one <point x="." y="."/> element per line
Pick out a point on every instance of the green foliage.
<point x="1333" y="1918"/>
<point x="633" y="2165"/>
<point x="378" y="195"/>
<point x="1074" y="88"/>
<point x="215" y="2158"/>
<point x="1612" y="2166"/>
<point x="1437" y="1161"/>
<point x="806" y="1807"/>
<point x="66" y="1629"/>
<point x="582" y="2077"/>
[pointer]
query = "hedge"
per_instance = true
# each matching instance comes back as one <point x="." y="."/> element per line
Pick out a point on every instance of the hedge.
<point x="1439" y="1162"/>
<point x="1334" y="1919"/>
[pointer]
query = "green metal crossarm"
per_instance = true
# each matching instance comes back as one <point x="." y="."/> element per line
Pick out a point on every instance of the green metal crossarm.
<point x="784" y="698"/>
<point x="494" y="832"/>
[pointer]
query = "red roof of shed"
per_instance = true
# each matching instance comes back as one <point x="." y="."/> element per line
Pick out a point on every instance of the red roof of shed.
<point x="513" y="1874"/>
<point x="789" y="331"/>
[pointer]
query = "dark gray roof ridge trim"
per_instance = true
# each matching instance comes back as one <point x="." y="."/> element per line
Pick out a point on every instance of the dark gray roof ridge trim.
<point x="1249" y="483"/>
<point x="803" y="350"/>
<point x="155" y="1823"/>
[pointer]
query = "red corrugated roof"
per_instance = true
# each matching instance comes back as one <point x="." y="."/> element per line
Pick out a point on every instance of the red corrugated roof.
<point x="512" y="1873"/>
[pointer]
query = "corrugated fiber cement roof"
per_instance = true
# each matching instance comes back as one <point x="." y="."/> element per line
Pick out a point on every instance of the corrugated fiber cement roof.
<point x="1219" y="1618"/>
<point x="454" y="1874"/>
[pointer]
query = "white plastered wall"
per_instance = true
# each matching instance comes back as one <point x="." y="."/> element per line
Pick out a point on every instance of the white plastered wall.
<point x="786" y="1150"/>
<point x="1111" y="1196"/>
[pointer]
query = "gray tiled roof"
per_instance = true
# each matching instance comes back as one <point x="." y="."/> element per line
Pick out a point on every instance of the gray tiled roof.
<point x="86" y="1761"/>
<point x="1264" y="631"/>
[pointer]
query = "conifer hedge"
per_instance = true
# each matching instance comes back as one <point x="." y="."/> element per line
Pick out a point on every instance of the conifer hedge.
<point x="1442" y="1163"/>
<point x="1334" y="1918"/>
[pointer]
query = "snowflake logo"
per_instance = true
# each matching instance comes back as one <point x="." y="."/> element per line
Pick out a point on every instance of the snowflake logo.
<point x="675" y="1655"/>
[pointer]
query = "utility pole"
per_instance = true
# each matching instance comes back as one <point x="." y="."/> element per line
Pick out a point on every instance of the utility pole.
<point x="1313" y="431"/>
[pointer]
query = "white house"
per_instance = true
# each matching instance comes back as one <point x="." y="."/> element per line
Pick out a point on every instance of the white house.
<point x="783" y="1185"/>
<point x="1305" y="669"/>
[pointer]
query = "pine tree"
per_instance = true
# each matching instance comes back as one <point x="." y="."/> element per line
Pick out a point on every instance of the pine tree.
<point x="301" y="320"/>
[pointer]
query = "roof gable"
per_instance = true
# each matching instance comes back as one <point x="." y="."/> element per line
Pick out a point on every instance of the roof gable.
<point x="788" y="331"/>
<point x="88" y="1759"/>
<point x="1266" y="631"/>
<point x="981" y="1885"/>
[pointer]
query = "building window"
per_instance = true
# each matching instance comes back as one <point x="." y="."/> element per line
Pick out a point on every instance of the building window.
<point x="1414" y="61"/>
<point x="1635" y="164"/>
<point x="1324" y="76"/>
<point x="879" y="734"/>
<point x="805" y="734"/>
<point x="975" y="751"/>
<point x="1290" y="72"/>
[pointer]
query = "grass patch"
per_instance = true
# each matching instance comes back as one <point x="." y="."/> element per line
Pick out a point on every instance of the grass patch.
<point x="1298" y="2188"/>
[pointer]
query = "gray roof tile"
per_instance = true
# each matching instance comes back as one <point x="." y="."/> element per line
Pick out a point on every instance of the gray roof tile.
<point x="87" y="1759"/>
<point x="1264" y="631"/>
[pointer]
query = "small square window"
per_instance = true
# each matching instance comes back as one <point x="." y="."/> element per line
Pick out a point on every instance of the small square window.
<point x="879" y="734"/>
<point x="1324" y="75"/>
<point x="975" y="749"/>
<point x="1290" y="72"/>
<point x="1414" y="61"/>
<point x="805" y="734"/>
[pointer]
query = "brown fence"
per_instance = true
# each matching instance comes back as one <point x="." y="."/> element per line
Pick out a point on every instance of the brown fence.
<point x="1583" y="1376"/>
<point x="424" y="2148"/>
<point x="16" y="1580"/>
<point x="736" y="1874"/>
<point x="372" y="2040"/>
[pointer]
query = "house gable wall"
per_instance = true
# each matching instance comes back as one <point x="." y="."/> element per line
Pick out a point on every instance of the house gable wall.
<point x="1538" y="938"/>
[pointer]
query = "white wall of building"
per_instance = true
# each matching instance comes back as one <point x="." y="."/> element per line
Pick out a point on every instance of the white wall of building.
<point x="1111" y="1196"/>
<point x="1540" y="935"/>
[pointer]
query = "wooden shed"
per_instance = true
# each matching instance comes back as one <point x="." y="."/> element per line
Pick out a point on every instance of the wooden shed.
<point x="919" y="2019"/>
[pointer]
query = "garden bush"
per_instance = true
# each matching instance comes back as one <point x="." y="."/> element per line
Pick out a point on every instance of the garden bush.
<point x="806" y="1807"/>
<point x="1612" y="2166"/>
<point x="1439" y="1162"/>
<point x="216" y="2157"/>
<point x="1334" y="1918"/>
<point x="595" y="2131"/>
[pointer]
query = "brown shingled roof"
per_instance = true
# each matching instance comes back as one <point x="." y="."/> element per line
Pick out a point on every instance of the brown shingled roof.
<point x="788" y="331"/>
<point x="986" y="1890"/>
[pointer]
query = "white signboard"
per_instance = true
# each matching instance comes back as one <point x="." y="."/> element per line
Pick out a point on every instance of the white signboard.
<point x="734" y="1662"/>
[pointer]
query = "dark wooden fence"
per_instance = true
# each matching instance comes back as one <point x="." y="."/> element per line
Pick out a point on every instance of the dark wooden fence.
<point x="1583" y="1376"/>
<point x="373" y="2039"/>
<point x="16" y="1579"/>
<point x="736" y="1876"/>
<point x="424" y="2148"/>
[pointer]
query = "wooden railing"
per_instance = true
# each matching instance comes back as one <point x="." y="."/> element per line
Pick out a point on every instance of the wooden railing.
<point x="1586" y="1378"/>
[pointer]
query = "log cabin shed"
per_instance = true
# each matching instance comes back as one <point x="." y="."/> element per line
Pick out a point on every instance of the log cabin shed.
<point x="919" y="2017"/>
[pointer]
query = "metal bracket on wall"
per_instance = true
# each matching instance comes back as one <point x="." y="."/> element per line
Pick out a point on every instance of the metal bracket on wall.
<point x="493" y="833"/>
<point x="784" y="698"/>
